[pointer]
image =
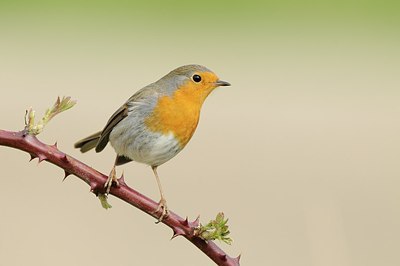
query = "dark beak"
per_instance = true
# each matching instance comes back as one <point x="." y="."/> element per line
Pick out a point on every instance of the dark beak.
<point x="222" y="83"/>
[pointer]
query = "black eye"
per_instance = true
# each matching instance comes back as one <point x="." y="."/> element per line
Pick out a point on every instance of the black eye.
<point x="196" y="78"/>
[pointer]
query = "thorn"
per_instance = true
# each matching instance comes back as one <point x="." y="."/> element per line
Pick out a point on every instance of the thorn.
<point x="121" y="180"/>
<point x="185" y="222"/>
<point x="55" y="146"/>
<point x="66" y="174"/>
<point x="196" y="222"/>
<point x="177" y="232"/>
<point x="175" y="235"/>
<point x="64" y="157"/>
<point x="32" y="157"/>
<point x="41" y="158"/>
<point x="237" y="259"/>
<point x="223" y="257"/>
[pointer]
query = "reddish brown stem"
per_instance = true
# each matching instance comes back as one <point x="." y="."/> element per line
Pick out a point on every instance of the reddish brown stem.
<point x="181" y="227"/>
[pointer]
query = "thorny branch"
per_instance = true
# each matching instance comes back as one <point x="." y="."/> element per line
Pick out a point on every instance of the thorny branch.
<point x="192" y="231"/>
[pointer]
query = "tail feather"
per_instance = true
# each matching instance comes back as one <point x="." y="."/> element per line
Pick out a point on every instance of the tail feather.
<point x="88" y="143"/>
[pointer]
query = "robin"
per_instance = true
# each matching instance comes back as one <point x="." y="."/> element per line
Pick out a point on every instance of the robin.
<point x="156" y="123"/>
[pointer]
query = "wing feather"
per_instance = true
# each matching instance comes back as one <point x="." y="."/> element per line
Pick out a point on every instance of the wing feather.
<point x="120" y="114"/>
<point x="141" y="99"/>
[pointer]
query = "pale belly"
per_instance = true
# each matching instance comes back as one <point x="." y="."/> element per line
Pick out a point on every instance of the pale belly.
<point x="144" y="146"/>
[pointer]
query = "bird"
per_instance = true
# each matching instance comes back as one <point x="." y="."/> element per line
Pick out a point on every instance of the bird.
<point x="156" y="123"/>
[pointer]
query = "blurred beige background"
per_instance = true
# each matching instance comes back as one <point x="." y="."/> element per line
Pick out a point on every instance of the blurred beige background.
<point x="301" y="153"/>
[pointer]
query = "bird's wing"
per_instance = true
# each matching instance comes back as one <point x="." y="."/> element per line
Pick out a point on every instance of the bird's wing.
<point x="120" y="114"/>
<point x="143" y="98"/>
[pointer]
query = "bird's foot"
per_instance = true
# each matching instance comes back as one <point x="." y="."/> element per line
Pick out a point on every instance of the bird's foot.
<point x="163" y="208"/>
<point x="112" y="178"/>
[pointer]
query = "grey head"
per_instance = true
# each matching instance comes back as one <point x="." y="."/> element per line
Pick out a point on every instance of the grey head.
<point x="178" y="76"/>
<point x="188" y="70"/>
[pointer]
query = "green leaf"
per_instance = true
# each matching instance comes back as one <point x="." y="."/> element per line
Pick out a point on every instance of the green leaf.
<point x="104" y="202"/>
<point x="215" y="229"/>
<point x="59" y="106"/>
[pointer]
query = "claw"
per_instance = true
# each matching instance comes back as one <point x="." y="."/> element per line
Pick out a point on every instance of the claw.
<point x="162" y="206"/>
<point x="112" y="178"/>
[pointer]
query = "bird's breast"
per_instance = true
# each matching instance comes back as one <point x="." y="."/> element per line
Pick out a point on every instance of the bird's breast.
<point x="177" y="114"/>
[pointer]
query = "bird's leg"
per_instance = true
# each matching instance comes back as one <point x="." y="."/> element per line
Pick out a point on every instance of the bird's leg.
<point x="162" y="205"/>
<point x="111" y="178"/>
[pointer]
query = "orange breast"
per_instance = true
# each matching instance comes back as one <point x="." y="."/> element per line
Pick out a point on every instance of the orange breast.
<point x="178" y="113"/>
